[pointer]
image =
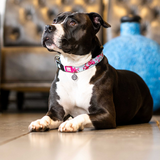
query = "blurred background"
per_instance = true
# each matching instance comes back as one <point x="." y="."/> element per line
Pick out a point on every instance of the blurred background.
<point x="27" y="69"/>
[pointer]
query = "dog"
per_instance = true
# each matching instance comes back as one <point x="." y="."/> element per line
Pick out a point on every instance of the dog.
<point x="86" y="87"/>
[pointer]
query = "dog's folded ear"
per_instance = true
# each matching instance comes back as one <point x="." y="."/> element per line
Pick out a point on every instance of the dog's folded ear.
<point x="97" y="21"/>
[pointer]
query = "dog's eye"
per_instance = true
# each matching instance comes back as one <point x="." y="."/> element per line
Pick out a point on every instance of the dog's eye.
<point x="72" y="23"/>
<point x="54" y="21"/>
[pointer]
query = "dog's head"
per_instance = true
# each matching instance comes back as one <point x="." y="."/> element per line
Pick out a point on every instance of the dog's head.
<point x="72" y="32"/>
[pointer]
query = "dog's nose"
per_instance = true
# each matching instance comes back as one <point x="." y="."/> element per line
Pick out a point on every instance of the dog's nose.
<point x="49" y="28"/>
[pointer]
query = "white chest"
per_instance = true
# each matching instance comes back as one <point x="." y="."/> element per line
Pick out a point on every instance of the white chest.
<point x="75" y="96"/>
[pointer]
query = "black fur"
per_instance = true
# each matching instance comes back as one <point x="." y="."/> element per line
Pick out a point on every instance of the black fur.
<point x="56" y="111"/>
<point x="122" y="96"/>
<point x="119" y="97"/>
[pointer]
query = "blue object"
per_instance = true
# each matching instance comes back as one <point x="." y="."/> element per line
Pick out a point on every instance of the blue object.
<point x="132" y="51"/>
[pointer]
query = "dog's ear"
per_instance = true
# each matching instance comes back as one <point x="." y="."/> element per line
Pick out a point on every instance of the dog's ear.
<point x="97" y="21"/>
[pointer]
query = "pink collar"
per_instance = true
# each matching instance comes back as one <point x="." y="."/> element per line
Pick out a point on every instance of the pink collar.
<point x="72" y="69"/>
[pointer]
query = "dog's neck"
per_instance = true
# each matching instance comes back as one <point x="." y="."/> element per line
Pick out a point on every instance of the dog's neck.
<point x="78" y="60"/>
<point x="74" y="60"/>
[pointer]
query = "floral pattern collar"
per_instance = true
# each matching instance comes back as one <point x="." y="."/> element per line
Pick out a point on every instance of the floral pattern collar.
<point x="72" y="69"/>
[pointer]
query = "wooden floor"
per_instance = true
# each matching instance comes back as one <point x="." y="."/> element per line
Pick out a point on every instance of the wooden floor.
<point x="132" y="142"/>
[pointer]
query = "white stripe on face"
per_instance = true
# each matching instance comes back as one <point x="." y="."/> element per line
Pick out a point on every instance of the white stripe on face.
<point x="58" y="34"/>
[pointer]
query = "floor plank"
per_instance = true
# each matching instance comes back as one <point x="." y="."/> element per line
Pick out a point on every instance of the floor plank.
<point x="15" y="125"/>
<point x="140" y="142"/>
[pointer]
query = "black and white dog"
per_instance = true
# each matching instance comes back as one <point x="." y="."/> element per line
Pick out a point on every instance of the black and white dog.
<point x="86" y="87"/>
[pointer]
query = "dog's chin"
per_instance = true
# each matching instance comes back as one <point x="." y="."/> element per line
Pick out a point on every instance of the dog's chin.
<point x="51" y="46"/>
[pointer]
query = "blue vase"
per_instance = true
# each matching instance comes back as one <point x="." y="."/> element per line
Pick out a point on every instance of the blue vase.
<point x="132" y="51"/>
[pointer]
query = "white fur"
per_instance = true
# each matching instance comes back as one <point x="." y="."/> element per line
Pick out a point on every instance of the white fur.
<point x="43" y="123"/>
<point x="75" y="124"/>
<point x="74" y="60"/>
<point x="75" y="95"/>
<point x="58" y="34"/>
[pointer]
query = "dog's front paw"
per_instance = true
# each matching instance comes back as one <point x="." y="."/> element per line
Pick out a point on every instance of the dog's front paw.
<point x="40" y="125"/>
<point x="71" y="126"/>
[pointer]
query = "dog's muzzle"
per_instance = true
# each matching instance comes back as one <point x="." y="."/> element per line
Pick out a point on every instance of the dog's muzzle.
<point x="48" y="34"/>
<point x="48" y="42"/>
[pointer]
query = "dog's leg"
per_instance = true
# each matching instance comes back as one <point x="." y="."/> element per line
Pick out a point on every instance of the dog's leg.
<point x="52" y="120"/>
<point x="75" y="124"/>
<point x="101" y="116"/>
<point x="97" y="121"/>
<point x="54" y="116"/>
<point x="44" y="124"/>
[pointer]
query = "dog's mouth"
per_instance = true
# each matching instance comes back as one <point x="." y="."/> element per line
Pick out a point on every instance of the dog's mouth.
<point x="49" y="44"/>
